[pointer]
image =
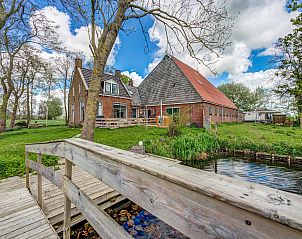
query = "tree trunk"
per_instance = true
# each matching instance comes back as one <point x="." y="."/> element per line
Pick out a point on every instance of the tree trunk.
<point x="3" y="109"/>
<point x="28" y="115"/>
<point x="106" y="43"/>
<point x="65" y="101"/>
<point x="14" y="113"/>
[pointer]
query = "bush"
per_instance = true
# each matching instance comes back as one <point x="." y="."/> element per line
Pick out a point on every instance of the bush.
<point x="21" y="124"/>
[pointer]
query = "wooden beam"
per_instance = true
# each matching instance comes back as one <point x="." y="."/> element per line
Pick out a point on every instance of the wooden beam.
<point x="67" y="203"/>
<point x="39" y="161"/>
<point x="197" y="203"/>
<point x="104" y="225"/>
<point x="50" y="174"/>
<point x="26" y="170"/>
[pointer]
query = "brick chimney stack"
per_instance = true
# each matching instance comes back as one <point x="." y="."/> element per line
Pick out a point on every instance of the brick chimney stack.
<point x="131" y="82"/>
<point x="78" y="63"/>
<point x="118" y="73"/>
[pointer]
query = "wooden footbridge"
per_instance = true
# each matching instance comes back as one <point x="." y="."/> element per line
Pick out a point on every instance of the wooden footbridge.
<point x="197" y="203"/>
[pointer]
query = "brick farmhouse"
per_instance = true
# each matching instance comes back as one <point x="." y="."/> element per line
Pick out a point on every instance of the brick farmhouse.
<point x="171" y="88"/>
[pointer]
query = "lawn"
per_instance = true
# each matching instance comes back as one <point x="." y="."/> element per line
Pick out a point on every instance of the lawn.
<point x="190" y="143"/>
<point x="12" y="146"/>
<point x="261" y="137"/>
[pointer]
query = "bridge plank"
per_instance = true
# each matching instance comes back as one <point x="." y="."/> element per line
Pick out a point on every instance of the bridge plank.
<point x="199" y="204"/>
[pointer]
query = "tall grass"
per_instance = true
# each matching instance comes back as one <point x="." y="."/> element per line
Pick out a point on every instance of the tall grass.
<point x="184" y="146"/>
<point x="188" y="147"/>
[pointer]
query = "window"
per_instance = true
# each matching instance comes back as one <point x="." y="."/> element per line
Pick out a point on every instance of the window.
<point x="72" y="113"/>
<point x="73" y="91"/>
<point x="111" y="88"/>
<point x="119" y="110"/>
<point x="134" y="113"/>
<point x="82" y="111"/>
<point x="80" y="88"/>
<point x="100" y="109"/>
<point x="172" y="111"/>
<point x="114" y="89"/>
<point x="107" y="87"/>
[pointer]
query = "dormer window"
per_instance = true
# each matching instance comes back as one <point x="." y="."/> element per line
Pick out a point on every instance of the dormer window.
<point x="111" y="88"/>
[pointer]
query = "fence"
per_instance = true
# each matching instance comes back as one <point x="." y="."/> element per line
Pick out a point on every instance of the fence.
<point x="119" y="123"/>
<point x="197" y="203"/>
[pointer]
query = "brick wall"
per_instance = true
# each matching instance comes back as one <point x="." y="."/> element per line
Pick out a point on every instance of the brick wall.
<point x="108" y="102"/>
<point x="198" y="111"/>
<point x="78" y="93"/>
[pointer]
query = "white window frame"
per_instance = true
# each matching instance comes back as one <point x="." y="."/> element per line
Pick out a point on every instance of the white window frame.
<point x="110" y="85"/>
<point x="72" y="113"/>
<point x="100" y="106"/>
<point x="82" y="116"/>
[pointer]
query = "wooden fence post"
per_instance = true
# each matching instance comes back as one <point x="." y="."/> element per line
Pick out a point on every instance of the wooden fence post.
<point x="27" y="170"/>
<point x="67" y="203"/>
<point x="39" y="161"/>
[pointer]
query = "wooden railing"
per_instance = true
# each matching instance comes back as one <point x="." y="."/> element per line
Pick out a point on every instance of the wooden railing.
<point x="197" y="203"/>
<point x="119" y="123"/>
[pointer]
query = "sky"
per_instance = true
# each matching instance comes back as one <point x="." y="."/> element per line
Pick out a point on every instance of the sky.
<point x="257" y="26"/>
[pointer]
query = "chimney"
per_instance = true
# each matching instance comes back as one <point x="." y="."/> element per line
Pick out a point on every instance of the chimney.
<point x="130" y="82"/>
<point x="118" y="73"/>
<point x="78" y="62"/>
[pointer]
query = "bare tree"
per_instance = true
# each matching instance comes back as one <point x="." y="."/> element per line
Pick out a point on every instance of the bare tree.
<point x="193" y="25"/>
<point x="65" y="65"/>
<point x="20" y="73"/>
<point x="9" y="8"/>
<point x="29" y="27"/>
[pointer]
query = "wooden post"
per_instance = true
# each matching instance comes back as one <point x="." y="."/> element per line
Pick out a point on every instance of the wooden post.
<point x="27" y="170"/>
<point x="67" y="203"/>
<point x="39" y="161"/>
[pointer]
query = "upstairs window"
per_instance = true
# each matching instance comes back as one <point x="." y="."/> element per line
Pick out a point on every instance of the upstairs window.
<point x="111" y="88"/>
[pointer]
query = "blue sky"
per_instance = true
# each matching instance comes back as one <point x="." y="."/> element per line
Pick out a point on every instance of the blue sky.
<point x="259" y="24"/>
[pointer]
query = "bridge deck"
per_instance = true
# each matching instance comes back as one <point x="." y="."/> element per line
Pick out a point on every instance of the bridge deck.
<point x="20" y="215"/>
<point x="53" y="197"/>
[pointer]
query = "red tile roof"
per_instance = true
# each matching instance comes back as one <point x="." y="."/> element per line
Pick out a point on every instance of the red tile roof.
<point x="205" y="89"/>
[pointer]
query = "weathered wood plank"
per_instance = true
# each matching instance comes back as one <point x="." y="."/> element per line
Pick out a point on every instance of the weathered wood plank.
<point x="67" y="203"/>
<point x="23" y="219"/>
<point x="104" y="225"/>
<point x="199" y="204"/>
<point x="39" y="161"/>
<point x="49" y="173"/>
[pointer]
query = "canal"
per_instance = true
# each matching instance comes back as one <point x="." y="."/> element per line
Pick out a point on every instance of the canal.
<point x="277" y="175"/>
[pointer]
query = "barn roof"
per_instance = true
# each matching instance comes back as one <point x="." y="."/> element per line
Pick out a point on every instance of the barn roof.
<point x="173" y="81"/>
<point x="122" y="88"/>
<point x="205" y="89"/>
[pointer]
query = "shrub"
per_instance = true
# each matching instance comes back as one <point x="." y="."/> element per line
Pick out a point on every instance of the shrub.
<point x="21" y="124"/>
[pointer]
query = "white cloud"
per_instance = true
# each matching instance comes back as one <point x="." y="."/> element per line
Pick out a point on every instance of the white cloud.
<point x="137" y="79"/>
<point x="77" y="41"/>
<point x="266" y="79"/>
<point x="270" y="51"/>
<point x="258" y="25"/>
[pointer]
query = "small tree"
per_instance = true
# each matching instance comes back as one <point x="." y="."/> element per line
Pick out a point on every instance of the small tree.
<point x="290" y="61"/>
<point x="54" y="108"/>
<point x="242" y="96"/>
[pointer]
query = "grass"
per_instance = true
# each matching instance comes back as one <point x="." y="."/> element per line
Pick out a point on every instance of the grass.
<point x="57" y="122"/>
<point x="261" y="137"/>
<point x="12" y="147"/>
<point x="189" y="144"/>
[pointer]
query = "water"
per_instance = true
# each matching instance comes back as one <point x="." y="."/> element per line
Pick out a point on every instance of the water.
<point x="276" y="176"/>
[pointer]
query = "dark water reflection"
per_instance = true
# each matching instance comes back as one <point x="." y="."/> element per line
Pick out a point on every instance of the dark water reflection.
<point x="272" y="175"/>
